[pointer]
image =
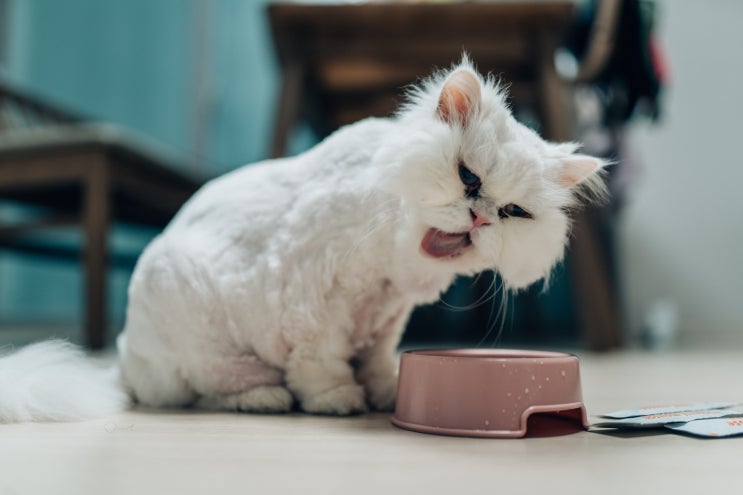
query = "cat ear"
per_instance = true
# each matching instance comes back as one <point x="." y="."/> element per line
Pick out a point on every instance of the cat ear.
<point x="577" y="168"/>
<point x="459" y="100"/>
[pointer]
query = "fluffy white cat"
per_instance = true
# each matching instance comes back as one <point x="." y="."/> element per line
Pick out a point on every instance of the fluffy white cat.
<point x="292" y="280"/>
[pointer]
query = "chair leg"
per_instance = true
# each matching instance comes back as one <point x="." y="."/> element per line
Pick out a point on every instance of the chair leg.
<point x="595" y="298"/>
<point x="95" y="223"/>
<point x="555" y="111"/>
<point x="289" y="106"/>
<point x="593" y="288"/>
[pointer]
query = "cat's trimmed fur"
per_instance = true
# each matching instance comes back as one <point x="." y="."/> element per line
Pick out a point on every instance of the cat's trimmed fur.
<point x="291" y="280"/>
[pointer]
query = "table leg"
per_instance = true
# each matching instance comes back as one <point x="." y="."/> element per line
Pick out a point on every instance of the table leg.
<point x="96" y="211"/>
<point x="290" y="100"/>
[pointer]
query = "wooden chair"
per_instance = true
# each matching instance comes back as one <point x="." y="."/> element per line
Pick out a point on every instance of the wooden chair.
<point x="78" y="173"/>
<point x="341" y="63"/>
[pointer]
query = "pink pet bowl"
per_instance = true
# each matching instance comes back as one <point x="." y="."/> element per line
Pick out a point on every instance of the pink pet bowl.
<point x="485" y="393"/>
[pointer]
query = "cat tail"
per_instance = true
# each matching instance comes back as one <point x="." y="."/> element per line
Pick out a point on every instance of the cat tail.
<point x="55" y="381"/>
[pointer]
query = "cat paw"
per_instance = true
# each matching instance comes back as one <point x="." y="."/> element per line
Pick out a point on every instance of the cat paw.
<point x="342" y="401"/>
<point x="382" y="393"/>
<point x="265" y="400"/>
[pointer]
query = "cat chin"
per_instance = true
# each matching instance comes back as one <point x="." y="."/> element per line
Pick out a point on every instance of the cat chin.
<point x="471" y="260"/>
<point x="470" y="263"/>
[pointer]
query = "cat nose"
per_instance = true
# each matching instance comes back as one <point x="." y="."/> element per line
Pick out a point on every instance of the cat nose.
<point x="478" y="220"/>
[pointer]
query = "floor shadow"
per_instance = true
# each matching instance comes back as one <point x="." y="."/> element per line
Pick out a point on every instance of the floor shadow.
<point x="629" y="434"/>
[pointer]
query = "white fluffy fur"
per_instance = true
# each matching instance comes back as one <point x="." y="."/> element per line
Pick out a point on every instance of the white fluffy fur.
<point x="293" y="279"/>
<point x="52" y="381"/>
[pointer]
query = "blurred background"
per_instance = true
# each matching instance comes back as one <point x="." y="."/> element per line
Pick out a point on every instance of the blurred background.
<point x="201" y="87"/>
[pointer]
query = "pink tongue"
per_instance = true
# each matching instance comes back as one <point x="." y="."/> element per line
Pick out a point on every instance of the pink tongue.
<point x="441" y="244"/>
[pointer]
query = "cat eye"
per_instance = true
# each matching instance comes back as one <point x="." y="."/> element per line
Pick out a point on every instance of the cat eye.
<point x="470" y="180"/>
<point x="512" y="210"/>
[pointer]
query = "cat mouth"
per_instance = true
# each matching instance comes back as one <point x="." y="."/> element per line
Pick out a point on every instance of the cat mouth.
<point x="439" y="244"/>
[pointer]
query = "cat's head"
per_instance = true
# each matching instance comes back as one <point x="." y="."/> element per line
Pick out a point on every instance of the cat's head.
<point x="484" y="191"/>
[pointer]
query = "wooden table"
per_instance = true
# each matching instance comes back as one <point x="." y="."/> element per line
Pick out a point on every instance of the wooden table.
<point x="344" y="62"/>
<point x="352" y="61"/>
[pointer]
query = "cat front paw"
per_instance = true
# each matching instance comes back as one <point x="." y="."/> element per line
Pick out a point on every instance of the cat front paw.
<point x="382" y="392"/>
<point x="341" y="401"/>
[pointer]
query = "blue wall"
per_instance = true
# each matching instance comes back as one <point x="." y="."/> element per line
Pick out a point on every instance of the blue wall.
<point x="199" y="77"/>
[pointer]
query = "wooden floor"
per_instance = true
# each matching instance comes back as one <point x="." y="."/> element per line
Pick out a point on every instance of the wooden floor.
<point x="185" y="452"/>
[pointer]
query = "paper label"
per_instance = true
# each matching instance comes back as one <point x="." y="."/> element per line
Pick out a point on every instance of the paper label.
<point x="656" y="420"/>
<point x="712" y="428"/>
<point x="645" y="411"/>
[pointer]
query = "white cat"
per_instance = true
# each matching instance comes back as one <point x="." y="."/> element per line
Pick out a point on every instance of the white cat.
<point x="293" y="279"/>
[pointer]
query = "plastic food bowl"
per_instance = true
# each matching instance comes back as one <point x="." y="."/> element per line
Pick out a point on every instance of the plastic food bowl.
<point x="484" y="392"/>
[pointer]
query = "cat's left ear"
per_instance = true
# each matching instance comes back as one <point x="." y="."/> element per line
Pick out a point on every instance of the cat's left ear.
<point x="460" y="97"/>
<point x="575" y="169"/>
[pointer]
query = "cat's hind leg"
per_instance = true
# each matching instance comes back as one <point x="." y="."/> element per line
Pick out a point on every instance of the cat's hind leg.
<point x="240" y="383"/>
<point x="153" y="381"/>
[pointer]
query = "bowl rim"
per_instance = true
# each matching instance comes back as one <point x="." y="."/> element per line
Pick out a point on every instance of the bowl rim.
<point x="514" y="355"/>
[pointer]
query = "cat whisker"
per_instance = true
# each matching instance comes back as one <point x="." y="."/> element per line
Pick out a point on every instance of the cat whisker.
<point x="477" y="279"/>
<point x="484" y="298"/>
<point x="501" y="315"/>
